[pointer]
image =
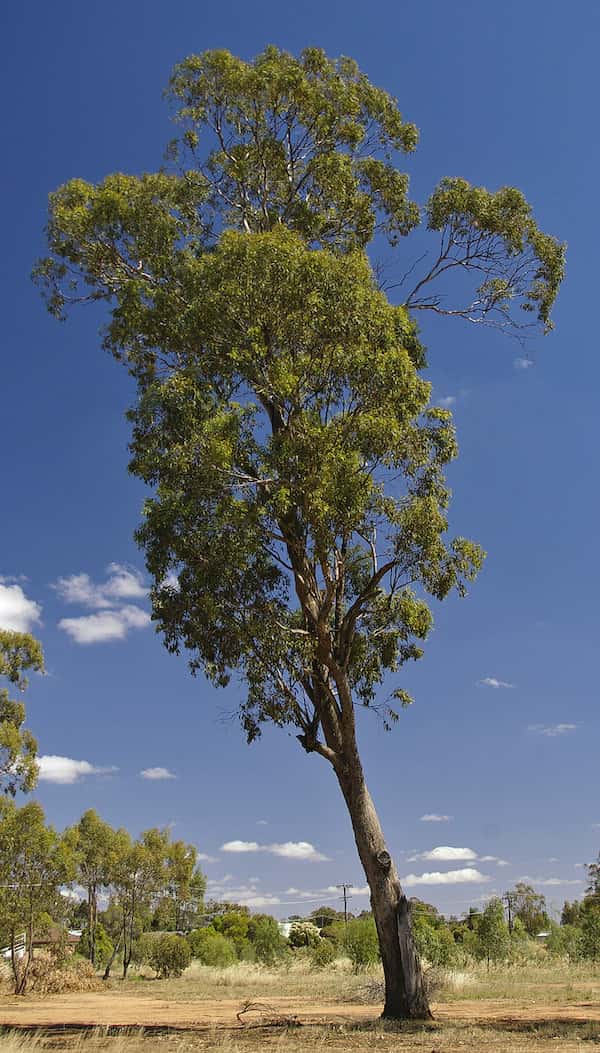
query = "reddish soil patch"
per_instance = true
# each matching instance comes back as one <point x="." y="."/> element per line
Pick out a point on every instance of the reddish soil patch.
<point x="110" y="1009"/>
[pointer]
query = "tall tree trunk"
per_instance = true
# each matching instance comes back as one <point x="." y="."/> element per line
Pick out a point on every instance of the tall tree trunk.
<point x="405" y="994"/>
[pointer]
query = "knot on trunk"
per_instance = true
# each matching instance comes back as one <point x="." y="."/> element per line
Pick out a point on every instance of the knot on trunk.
<point x="384" y="860"/>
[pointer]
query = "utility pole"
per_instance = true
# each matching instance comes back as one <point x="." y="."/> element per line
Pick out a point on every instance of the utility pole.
<point x="344" y="888"/>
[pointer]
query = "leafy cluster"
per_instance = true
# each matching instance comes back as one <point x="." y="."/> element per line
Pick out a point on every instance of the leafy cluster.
<point x="19" y="652"/>
<point x="299" y="514"/>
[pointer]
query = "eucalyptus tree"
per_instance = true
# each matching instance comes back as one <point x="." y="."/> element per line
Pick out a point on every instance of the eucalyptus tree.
<point x="96" y="851"/>
<point x="35" y="862"/>
<point x="299" y="515"/>
<point x="19" y="652"/>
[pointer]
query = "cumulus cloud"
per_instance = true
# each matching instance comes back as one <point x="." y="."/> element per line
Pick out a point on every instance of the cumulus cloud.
<point x="66" y="770"/>
<point x="300" y="850"/>
<point x="523" y="363"/>
<point x="17" y="612"/>
<point x="445" y="854"/>
<point x="157" y="774"/>
<point x="552" y="730"/>
<point x="106" y="625"/>
<point x="122" y="583"/>
<point x="432" y="817"/>
<point x="492" y="681"/>
<point x="468" y="875"/>
<point x="204" y="858"/>
<point x="447" y="401"/>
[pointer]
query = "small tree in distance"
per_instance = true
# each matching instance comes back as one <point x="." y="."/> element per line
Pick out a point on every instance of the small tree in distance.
<point x="299" y="517"/>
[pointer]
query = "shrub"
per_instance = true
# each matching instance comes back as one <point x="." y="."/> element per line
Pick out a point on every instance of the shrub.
<point x="267" y="942"/>
<point x="104" y="945"/>
<point x="170" y="955"/>
<point x="212" y="948"/>
<point x="323" y="954"/>
<point x="304" y="934"/>
<point x="434" y="943"/>
<point x="48" y="975"/>
<point x="361" y="944"/>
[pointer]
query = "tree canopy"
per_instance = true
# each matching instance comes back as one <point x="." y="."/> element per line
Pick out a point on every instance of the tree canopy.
<point x="298" y="520"/>
<point x="19" y="653"/>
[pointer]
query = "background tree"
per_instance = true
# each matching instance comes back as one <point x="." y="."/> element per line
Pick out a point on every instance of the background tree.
<point x="34" y="863"/>
<point x="493" y="938"/>
<point x="19" y="652"/>
<point x="530" y="906"/>
<point x="282" y="417"/>
<point x="138" y="876"/>
<point x="185" y="885"/>
<point x="95" y="845"/>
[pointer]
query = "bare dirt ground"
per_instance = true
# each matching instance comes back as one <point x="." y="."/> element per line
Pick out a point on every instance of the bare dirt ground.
<point x="110" y="1009"/>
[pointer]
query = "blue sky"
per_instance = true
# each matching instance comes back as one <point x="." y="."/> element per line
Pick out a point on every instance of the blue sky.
<point x="503" y="94"/>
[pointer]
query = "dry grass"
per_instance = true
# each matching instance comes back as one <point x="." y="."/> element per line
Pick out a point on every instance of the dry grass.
<point x="248" y="980"/>
<point x="542" y="983"/>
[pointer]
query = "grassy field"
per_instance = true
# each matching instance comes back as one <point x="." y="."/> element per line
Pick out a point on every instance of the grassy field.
<point x="536" y="1008"/>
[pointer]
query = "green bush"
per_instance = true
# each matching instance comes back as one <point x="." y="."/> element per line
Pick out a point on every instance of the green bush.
<point x="361" y="943"/>
<point x="104" y="945"/>
<point x="304" y="934"/>
<point x="435" y="943"/>
<point x="323" y="954"/>
<point x="170" y="955"/>
<point x="266" y="941"/>
<point x="212" y="948"/>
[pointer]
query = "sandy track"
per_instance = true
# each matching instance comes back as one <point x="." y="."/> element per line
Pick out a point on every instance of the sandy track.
<point x="107" y="1009"/>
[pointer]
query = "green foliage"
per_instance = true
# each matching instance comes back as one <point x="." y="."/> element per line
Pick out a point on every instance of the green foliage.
<point x="234" y="925"/>
<point x="571" y="912"/>
<point x="530" y="907"/>
<point x="103" y="945"/>
<point x="170" y="955"/>
<point x="34" y="863"/>
<point x="212" y="948"/>
<point x="493" y="938"/>
<point x="435" y="943"/>
<point x="280" y="395"/>
<point x="361" y="943"/>
<point x="19" y="652"/>
<point x="589" y="945"/>
<point x="564" y="941"/>
<point x="267" y="943"/>
<point x="323" y="954"/>
<point x="304" y="934"/>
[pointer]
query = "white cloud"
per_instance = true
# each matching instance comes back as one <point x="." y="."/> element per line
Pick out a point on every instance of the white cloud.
<point x="17" y="613"/>
<point x="551" y="731"/>
<point x="241" y="846"/>
<point x="446" y="854"/>
<point x="494" y="859"/>
<point x="122" y="583"/>
<point x="261" y="822"/>
<point x="492" y="681"/>
<point x="65" y="770"/>
<point x="447" y="401"/>
<point x="432" y="817"/>
<point x="523" y="363"/>
<point x="157" y="773"/>
<point x="468" y="875"/>
<point x="105" y="626"/>
<point x="300" y="850"/>
<point x="256" y="901"/>
<point x="204" y="858"/>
